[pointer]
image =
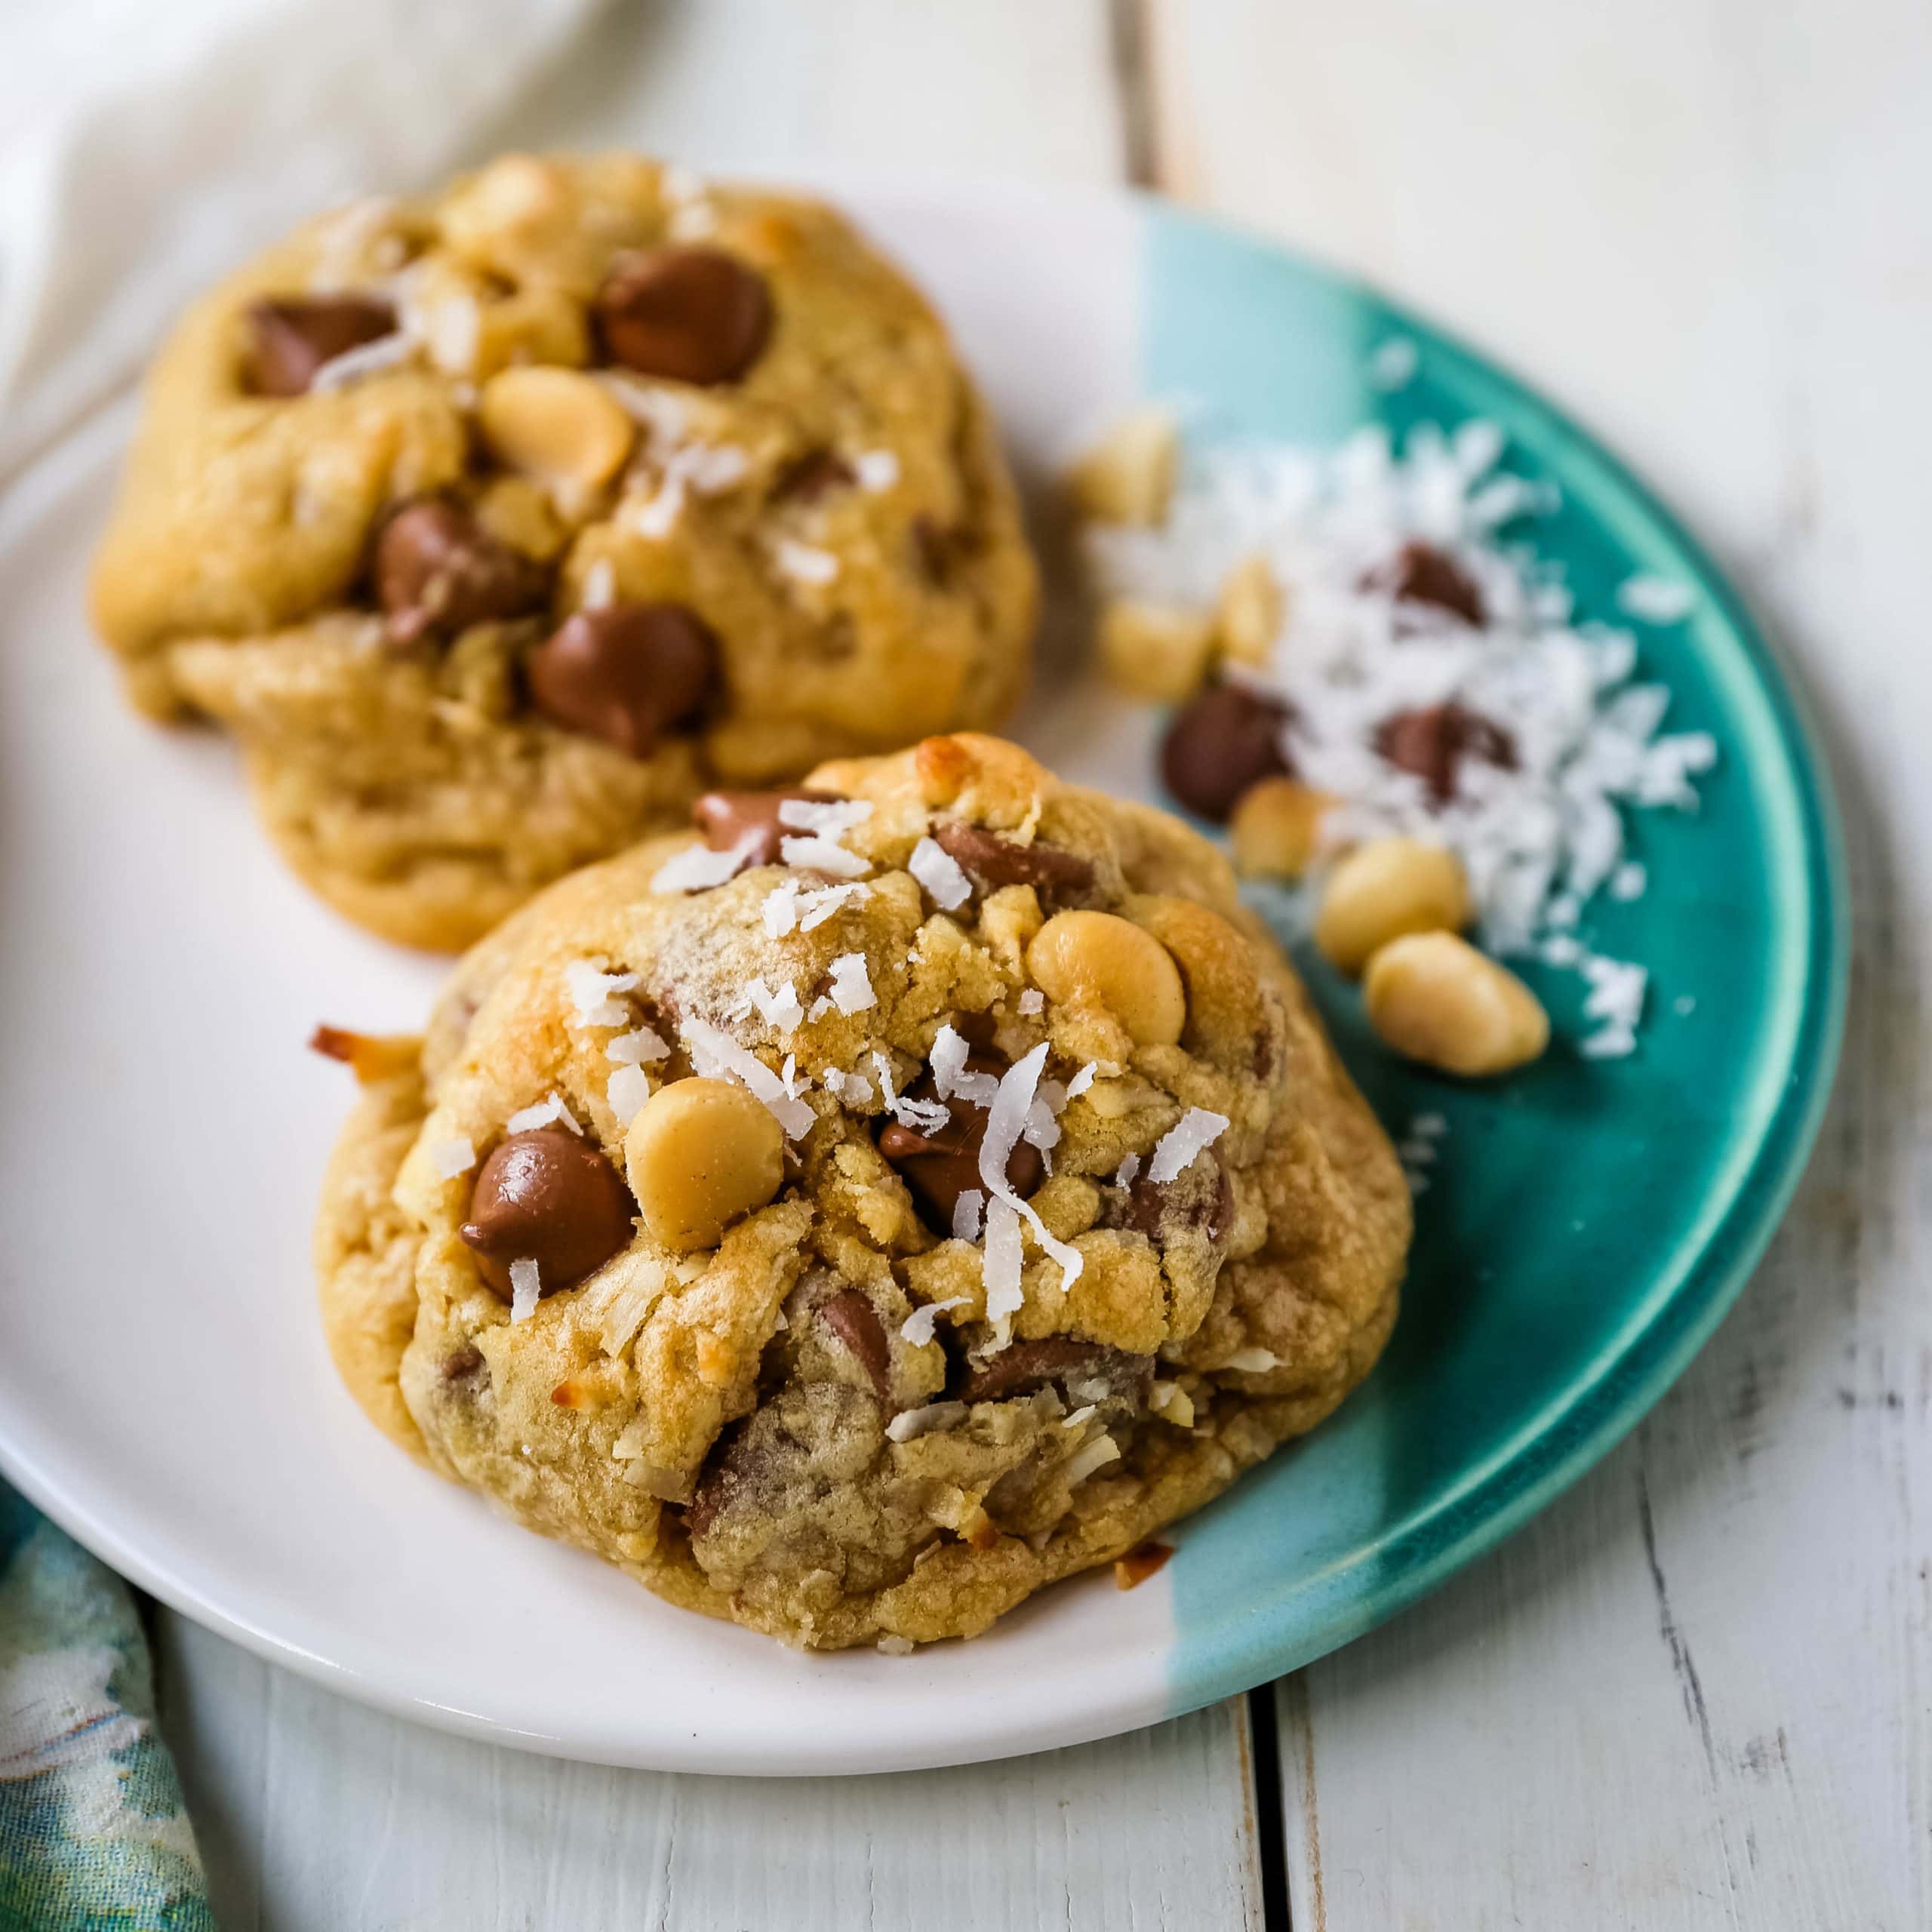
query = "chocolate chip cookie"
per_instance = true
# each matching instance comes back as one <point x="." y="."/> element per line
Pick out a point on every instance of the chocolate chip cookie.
<point x="499" y="524"/>
<point x="908" y="1190"/>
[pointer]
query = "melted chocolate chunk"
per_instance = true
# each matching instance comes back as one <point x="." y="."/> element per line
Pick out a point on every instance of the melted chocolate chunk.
<point x="626" y="673"/>
<point x="1433" y="743"/>
<point x="289" y="340"/>
<point x="807" y="478"/>
<point x="1226" y="740"/>
<point x="548" y="1196"/>
<point x="438" y="570"/>
<point x="939" y="1167"/>
<point x="1161" y="1210"/>
<point x="852" y="1319"/>
<point x="991" y="861"/>
<point x="691" y="315"/>
<point x="460" y="1364"/>
<point x="1420" y="574"/>
<point x="724" y="817"/>
<point x="1027" y="1367"/>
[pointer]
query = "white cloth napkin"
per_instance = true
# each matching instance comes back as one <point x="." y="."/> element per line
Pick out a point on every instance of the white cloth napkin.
<point x="145" y="146"/>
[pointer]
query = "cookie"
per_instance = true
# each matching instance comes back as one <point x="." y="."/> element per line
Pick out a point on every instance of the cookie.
<point x="499" y="524"/>
<point x="907" y="1191"/>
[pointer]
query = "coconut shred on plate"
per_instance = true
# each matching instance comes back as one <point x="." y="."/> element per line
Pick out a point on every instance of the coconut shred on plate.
<point x="1370" y="632"/>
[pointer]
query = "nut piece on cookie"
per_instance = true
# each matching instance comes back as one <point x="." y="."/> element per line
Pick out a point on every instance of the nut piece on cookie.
<point x="561" y="386"/>
<point x="885" y="1244"/>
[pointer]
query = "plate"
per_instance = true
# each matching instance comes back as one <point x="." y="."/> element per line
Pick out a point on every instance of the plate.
<point x="164" y="1393"/>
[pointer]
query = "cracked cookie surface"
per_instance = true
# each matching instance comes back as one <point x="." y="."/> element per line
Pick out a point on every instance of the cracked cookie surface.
<point x="854" y="1217"/>
<point x="498" y="523"/>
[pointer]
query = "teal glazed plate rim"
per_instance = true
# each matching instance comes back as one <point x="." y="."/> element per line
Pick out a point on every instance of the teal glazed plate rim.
<point x="165" y="1393"/>
<point x="1221" y="306"/>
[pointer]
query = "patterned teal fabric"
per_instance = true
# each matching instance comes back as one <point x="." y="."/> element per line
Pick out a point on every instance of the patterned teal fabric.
<point x="92" y="1836"/>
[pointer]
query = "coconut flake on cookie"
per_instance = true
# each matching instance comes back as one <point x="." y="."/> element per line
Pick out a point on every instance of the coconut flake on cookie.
<point x="1183" y="1143"/>
<point x="851" y="984"/>
<point x="941" y="875"/>
<point x="1006" y="1121"/>
<point x="698" y="869"/>
<point x="454" y="1156"/>
<point x="639" y="1047"/>
<point x="918" y="1326"/>
<point x="592" y="991"/>
<point x="627" y="1090"/>
<point x="526" y="1289"/>
<point x="549" y="1108"/>
<point x="717" y="1056"/>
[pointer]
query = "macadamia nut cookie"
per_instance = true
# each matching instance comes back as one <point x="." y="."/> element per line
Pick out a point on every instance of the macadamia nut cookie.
<point x="918" y="1187"/>
<point x="497" y="524"/>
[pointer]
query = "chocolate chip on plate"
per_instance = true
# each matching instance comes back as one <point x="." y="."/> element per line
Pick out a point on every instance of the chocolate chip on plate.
<point x="724" y="817"/>
<point x="1433" y="742"/>
<point x="1226" y="740"/>
<point x="438" y="569"/>
<point x="625" y="673"/>
<point x="548" y="1196"/>
<point x="289" y="339"/>
<point x="1420" y="574"/>
<point x="852" y="1319"/>
<point x="939" y="1167"/>
<point x="693" y="314"/>
<point x="993" y="862"/>
<point x="1026" y="1367"/>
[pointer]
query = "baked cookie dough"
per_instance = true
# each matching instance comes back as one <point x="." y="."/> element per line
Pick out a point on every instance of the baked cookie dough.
<point x="909" y="1191"/>
<point x="498" y="524"/>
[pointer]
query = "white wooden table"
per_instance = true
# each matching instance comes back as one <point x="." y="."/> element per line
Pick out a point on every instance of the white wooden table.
<point x="1695" y="1693"/>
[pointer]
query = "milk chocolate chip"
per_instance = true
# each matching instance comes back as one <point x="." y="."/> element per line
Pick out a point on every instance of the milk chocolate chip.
<point x="289" y="340"/>
<point x="992" y="862"/>
<point x="1432" y="743"/>
<point x="625" y="673"/>
<point x="693" y="314"/>
<point x="1027" y="1367"/>
<point x="852" y="1319"/>
<point x="1196" y="1199"/>
<point x="724" y="817"/>
<point x="548" y="1196"/>
<point x="438" y="569"/>
<point x="1226" y="740"/>
<point x="1420" y="574"/>
<point x="939" y="1167"/>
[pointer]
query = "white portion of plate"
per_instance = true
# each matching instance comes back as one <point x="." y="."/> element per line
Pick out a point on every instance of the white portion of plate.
<point x="165" y="1391"/>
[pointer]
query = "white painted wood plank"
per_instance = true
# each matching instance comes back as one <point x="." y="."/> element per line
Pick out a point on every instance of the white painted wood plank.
<point x="1000" y="87"/>
<point x="1696" y="1693"/>
<point x="316" y="1814"/>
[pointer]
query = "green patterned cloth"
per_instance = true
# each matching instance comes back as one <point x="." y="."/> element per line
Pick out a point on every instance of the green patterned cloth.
<point x="92" y="1836"/>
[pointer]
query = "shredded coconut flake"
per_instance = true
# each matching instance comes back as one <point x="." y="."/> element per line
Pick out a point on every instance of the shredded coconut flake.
<point x="638" y="1048"/>
<point x="1000" y="1269"/>
<point x="525" y="1289"/>
<point x="803" y="563"/>
<point x="936" y="868"/>
<point x="592" y="993"/>
<point x="780" y="909"/>
<point x="823" y="855"/>
<point x="1081" y="1080"/>
<point x="950" y="1074"/>
<point x="1184" y="1143"/>
<point x="1090" y="1456"/>
<point x="816" y="906"/>
<point x="893" y="1645"/>
<point x="1630" y="880"/>
<point x="456" y="1155"/>
<point x="910" y="1423"/>
<point x="551" y="1108"/>
<point x="627" y="1090"/>
<point x="1392" y="366"/>
<point x="1006" y="1121"/>
<point x="851" y="984"/>
<point x="600" y="586"/>
<point x="367" y="358"/>
<point x="1655" y="600"/>
<point x="716" y="1055"/>
<point x="875" y="469"/>
<point x="1253" y="1361"/>
<point x="780" y="1007"/>
<point x="969" y="1214"/>
<point x="1128" y="1172"/>
<point x="1032" y="1000"/>
<point x="697" y="868"/>
<point x="917" y="1326"/>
